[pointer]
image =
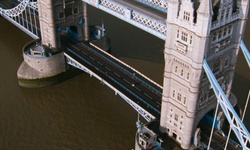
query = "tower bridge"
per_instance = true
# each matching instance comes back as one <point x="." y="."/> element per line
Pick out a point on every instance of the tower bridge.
<point x="202" y="42"/>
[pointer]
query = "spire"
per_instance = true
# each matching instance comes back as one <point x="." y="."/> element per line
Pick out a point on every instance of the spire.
<point x="205" y="7"/>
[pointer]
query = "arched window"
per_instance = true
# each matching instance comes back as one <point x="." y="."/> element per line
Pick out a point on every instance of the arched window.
<point x="176" y="69"/>
<point x="216" y="66"/>
<point x="186" y="15"/>
<point x="184" y="36"/>
<point x="179" y="96"/>
<point x="226" y="64"/>
<point x="188" y="76"/>
<point x="191" y="39"/>
<point x="182" y="72"/>
<point x="185" y="100"/>
<point x="173" y="93"/>
<point x="219" y="35"/>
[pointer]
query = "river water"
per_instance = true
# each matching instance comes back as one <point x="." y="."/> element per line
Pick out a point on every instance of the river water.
<point x="81" y="113"/>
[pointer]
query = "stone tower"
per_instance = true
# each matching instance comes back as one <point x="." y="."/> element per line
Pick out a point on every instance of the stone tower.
<point x="43" y="58"/>
<point x="58" y="15"/>
<point x="197" y="30"/>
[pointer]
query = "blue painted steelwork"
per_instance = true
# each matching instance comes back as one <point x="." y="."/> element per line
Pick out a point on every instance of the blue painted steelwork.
<point x="157" y="4"/>
<point x="71" y="32"/>
<point x="209" y="119"/>
<point x="152" y="24"/>
<point x="245" y="52"/>
<point x="236" y="124"/>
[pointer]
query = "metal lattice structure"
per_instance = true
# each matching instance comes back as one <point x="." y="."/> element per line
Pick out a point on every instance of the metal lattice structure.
<point x="16" y="11"/>
<point x="25" y="16"/>
<point x="236" y="123"/>
<point x="150" y="23"/>
<point x="157" y="4"/>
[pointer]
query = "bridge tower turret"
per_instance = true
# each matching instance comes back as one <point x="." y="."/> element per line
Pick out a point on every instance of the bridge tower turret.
<point x="197" y="30"/>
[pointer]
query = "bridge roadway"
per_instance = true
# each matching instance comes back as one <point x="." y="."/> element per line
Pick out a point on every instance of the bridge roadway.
<point x="140" y="90"/>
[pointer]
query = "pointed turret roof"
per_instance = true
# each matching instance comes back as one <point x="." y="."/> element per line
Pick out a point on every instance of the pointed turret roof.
<point x="205" y="7"/>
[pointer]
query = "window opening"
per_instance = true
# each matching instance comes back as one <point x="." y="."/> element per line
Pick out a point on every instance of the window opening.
<point x="186" y="15"/>
<point x="184" y="36"/>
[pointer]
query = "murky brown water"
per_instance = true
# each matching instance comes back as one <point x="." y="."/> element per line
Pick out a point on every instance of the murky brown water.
<point x="80" y="113"/>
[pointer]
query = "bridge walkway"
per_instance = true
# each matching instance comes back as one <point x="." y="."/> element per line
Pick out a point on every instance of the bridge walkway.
<point x="146" y="10"/>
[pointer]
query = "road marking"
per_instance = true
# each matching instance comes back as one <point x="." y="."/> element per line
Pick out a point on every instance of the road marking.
<point x="137" y="88"/>
<point x="75" y="47"/>
<point x="126" y="81"/>
<point x="147" y="95"/>
<point x="91" y="58"/>
<point x="107" y="68"/>
<point x="99" y="63"/>
<point x="117" y="74"/>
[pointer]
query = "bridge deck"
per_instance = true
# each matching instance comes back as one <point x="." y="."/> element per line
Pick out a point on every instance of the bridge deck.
<point x="133" y="85"/>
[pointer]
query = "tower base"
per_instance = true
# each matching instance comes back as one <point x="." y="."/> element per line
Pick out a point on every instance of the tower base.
<point x="41" y="67"/>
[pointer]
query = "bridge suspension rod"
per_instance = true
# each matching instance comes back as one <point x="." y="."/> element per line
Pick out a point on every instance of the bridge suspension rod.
<point x="235" y="122"/>
<point x="245" y="52"/>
